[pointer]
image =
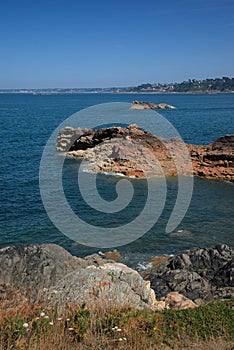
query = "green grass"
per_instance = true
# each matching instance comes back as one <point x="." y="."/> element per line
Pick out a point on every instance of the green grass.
<point x="81" y="328"/>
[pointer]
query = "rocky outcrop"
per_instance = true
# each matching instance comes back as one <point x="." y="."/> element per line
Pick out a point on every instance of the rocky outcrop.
<point x="149" y="105"/>
<point x="215" y="160"/>
<point x="130" y="151"/>
<point x="199" y="274"/>
<point x="47" y="274"/>
<point x="137" y="153"/>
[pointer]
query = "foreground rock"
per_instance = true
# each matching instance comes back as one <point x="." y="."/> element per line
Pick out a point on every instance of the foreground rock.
<point x="149" y="105"/>
<point x="48" y="274"/>
<point x="30" y="268"/>
<point x="137" y="153"/>
<point x="111" y="285"/>
<point x="199" y="274"/>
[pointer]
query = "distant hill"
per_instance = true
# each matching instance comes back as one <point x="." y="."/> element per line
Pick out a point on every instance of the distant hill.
<point x="223" y="84"/>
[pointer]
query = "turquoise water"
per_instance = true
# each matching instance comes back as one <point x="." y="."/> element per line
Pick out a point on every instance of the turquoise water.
<point x="27" y="122"/>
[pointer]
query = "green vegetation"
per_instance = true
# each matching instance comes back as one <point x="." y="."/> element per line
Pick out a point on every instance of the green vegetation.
<point x="81" y="328"/>
<point x="223" y="84"/>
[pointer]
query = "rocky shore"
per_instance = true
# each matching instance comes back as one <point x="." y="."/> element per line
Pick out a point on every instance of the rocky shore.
<point x="47" y="274"/>
<point x="134" y="152"/>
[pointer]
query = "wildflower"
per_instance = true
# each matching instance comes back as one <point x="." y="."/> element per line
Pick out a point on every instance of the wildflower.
<point x="124" y="338"/>
<point x="25" y="325"/>
<point x="68" y="319"/>
<point x="71" y="329"/>
<point x="42" y="314"/>
<point x="120" y="339"/>
<point x="46" y="317"/>
<point x="59" y="318"/>
<point x="37" y="318"/>
<point x="51" y="323"/>
<point x="119" y="330"/>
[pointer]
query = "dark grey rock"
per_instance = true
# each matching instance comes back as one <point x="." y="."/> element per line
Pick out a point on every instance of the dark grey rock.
<point x="197" y="273"/>
<point x="29" y="268"/>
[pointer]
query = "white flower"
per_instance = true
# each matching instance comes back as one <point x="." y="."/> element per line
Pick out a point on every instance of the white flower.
<point x="51" y="323"/>
<point x="25" y="325"/>
<point x="37" y="318"/>
<point x="68" y="319"/>
<point x="70" y="329"/>
<point x="120" y="339"/>
<point x="59" y="318"/>
<point x="46" y="317"/>
<point x="119" y="330"/>
<point x="124" y="338"/>
<point x="42" y="314"/>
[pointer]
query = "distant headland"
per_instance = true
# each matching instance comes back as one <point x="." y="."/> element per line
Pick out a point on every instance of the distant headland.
<point x="190" y="86"/>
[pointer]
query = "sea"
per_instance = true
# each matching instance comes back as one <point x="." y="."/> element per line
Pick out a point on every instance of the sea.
<point x="28" y="120"/>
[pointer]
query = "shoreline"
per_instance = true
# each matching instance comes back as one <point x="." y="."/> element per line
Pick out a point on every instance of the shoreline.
<point x="47" y="92"/>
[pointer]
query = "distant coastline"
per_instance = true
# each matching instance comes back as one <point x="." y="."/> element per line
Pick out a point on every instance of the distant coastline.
<point x="191" y="86"/>
<point x="67" y="92"/>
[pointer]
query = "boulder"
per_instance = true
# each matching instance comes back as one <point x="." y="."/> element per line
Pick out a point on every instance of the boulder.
<point x="175" y="300"/>
<point x="112" y="285"/>
<point x="198" y="273"/>
<point x="32" y="267"/>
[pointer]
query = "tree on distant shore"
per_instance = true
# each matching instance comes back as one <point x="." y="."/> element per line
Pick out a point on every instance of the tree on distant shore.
<point x="224" y="84"/>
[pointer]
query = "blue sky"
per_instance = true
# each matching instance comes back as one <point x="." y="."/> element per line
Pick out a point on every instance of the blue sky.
<point x="73" y="43"/>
